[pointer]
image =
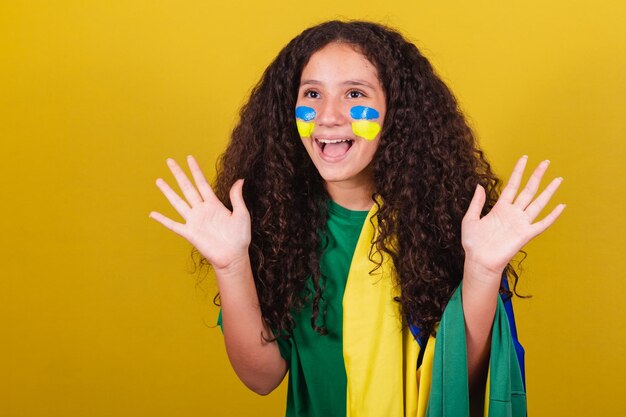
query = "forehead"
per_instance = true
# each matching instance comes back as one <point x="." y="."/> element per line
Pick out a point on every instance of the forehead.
<point x="337" y="62"/>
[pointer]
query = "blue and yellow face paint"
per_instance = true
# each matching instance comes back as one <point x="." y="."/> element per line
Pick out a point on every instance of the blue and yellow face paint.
<point x="364" y="126"/>
<point x="304" y="120"/>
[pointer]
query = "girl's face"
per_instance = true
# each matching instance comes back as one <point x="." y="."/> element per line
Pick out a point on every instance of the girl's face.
<point x="339" y="113"/>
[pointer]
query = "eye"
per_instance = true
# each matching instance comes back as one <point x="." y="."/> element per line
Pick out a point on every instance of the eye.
<point x="311" y="94"/>
<point x="355" y="94"/>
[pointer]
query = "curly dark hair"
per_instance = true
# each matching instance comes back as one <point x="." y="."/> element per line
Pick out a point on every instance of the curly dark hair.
<point x="426" y="169"/>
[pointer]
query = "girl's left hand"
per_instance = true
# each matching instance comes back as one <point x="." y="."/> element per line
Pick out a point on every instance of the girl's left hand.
<point x="492" y="241"/>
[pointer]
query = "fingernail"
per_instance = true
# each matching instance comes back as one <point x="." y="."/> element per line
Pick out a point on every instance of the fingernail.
<point x="547" y="161"/>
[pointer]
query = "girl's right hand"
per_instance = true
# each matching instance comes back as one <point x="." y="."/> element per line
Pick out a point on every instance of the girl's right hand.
<point x="221" y="236"/>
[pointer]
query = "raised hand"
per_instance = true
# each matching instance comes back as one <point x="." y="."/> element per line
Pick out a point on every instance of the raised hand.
<point x="220" y="235"/>
<point x="492" y="241"/>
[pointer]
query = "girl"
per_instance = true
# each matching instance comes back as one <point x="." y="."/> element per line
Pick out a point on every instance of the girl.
<point x="366" y="205"/>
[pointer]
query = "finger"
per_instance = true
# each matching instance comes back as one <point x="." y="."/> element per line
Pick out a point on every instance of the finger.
<point x="533" y="210"/>
<point x="178" y="203"/>
<point x="543" y="224"/>
<point x="175" y="227"/>
<point x="477" y="204"/>
<point x="203" y="186"/>
<point x="510" y="191"/>
<point x="236" y="197"/>
<point x="190" y="192"/>
<point x="528" y="193"/>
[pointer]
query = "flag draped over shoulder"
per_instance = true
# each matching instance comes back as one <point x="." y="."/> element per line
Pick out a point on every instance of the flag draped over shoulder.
<point x="381" y="355"/>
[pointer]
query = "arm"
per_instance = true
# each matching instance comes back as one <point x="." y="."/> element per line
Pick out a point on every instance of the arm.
<point x="223" y="237"/>
<point x="490" y="243"/>
<point x="256" y="362"/>
<point x="479" y="296"/>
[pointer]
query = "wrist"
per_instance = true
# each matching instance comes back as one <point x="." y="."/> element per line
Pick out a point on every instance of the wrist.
<point x="485" y="265"/>
<point x="478" y="274"/>
<point x="235" y="268"/>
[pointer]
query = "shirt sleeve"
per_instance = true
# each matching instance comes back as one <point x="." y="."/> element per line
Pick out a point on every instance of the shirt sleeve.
<point x="284" y="345"/>
<point x="219" y="321"/>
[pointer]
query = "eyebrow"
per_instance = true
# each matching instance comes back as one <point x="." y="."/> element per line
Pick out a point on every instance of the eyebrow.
<point x="348" y="82"/>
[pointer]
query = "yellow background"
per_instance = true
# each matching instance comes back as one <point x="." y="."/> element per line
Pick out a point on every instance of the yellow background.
<point x="99" y="314"/>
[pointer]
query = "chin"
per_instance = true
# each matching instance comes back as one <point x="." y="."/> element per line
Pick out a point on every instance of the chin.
<point x="333" y="175"/>
<point x="345" y="176"/>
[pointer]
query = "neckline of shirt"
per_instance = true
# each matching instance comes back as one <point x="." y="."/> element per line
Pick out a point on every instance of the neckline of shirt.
<point x="345" y="213"/>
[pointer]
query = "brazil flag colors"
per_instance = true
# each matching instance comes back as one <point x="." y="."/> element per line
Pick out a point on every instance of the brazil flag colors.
<point x="367" y="364"/>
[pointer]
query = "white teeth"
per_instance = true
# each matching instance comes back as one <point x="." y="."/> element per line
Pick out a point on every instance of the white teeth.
<point x="333" y="140"/>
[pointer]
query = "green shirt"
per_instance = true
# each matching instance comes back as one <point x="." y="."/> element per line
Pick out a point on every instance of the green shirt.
<point x="317" y="374"/>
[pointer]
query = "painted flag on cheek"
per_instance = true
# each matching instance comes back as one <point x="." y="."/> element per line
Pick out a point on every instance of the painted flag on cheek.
<point x="304" y="121"/>
<point x="364" y="124"/>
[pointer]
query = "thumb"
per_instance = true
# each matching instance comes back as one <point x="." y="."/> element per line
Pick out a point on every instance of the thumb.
<point x="236" y="197"/>
<point x="477" y="204"/>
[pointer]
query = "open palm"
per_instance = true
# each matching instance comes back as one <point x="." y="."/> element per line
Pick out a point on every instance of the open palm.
<point x="493" y="240"/>
<point x="220" y="235"/>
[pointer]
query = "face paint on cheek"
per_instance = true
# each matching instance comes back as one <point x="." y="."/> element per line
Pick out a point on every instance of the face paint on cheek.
<point x="364" y="126"/>
<point x="304" y="121"/>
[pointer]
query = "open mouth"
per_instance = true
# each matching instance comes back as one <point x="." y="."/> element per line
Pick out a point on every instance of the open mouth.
<point x="334" y="148"/>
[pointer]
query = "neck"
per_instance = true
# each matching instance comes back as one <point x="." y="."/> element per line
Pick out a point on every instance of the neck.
<point x="353" y="195"/>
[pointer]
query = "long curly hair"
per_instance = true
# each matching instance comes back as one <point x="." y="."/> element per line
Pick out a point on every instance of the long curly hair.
<point x="426" y="169"/>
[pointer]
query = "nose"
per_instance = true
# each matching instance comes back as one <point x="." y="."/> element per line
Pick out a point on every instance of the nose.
<point x="331" y="113"/>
